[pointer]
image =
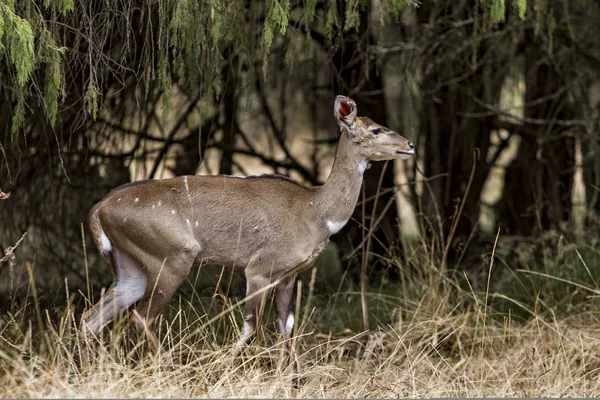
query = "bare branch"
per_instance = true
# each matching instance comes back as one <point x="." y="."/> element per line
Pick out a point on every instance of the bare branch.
<point x="9" y="253"/>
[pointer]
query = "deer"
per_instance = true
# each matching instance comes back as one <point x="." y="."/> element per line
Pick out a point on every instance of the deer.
<point x="269" y="226"/>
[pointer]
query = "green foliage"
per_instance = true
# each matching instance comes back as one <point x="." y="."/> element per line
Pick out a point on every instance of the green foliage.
<point x="309" y="11"/>
<point x="19" y="113"/>
<point x="331" y="21"/>
<point x="182" y="37"/>
<point x="521" y="7"/>
<point x="66" y="6"/>
<point x="497" y="11"/>
<point x="91" y="99"/>
<point x="352" y="15"/>
<point x="540" y="11"/>
<point x="397" y="7"/>
<point x="53" y="85"/>
<point x="21" y="48"/>
<point x="192" y="43"/>
<point x="51" y="55"/>
<point x="393" y="7"/>
<point x="2" y="48"/>
<point x="278" y="15"/>
<point x="19" y="36"/>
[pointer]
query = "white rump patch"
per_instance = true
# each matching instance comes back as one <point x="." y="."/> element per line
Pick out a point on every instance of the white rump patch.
<point x="362" y="166"/>
<point x="105" y="243"/>
<point x="335" y="227"/>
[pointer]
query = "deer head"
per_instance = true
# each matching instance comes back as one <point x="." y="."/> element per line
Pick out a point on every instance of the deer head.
<point x="375" y="142"/>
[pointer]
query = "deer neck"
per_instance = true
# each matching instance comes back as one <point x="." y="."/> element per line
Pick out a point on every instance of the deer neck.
<point x="337" y="198"/>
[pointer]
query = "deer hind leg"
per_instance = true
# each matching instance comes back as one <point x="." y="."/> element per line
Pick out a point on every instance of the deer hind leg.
<point x="284" y="304"/>
<point x="170" y="273"/>
<point x="129" y="287"/>
<point x="253" y="309"/>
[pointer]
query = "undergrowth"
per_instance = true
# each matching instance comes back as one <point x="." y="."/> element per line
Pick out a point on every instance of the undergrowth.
<point x="516" y="325"/>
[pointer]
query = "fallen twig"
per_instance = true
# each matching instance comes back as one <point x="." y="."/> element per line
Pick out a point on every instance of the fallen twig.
<point x="9" y="253"/>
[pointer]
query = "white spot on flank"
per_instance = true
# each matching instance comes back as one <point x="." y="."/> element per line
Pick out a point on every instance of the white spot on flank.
<point x="137" y="199"/>
<point x="362" y="166"/>
<point x="173" y="212"/>
<point x="334" y="227"/>
<point x="105" y="242"/>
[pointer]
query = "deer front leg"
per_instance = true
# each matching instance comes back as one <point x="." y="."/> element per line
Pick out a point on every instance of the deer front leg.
<point x="284" y="303"/>
<point x="256" y="297"/>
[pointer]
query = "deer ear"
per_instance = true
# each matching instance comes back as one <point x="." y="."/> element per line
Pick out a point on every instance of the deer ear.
<point x="345" y="111"/>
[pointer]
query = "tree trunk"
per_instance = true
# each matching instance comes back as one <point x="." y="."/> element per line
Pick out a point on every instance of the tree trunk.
<point x="456" y="124"/>
<point x="537" y="191"/>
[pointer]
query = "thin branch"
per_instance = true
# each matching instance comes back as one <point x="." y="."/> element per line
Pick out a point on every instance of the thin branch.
<point x="460" y="210"/>
<point x="277" y="132"/>
<point x="533" y="121"/>
<point x="169" y="140"/>
<point x="9" y="252"/>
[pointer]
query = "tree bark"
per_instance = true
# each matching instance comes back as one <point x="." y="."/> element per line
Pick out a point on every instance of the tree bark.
<point x="456" y="121"/>
<point x="537" y="191"/>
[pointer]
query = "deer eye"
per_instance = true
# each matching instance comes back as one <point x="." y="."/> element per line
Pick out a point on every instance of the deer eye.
<point x="375" y="131"/>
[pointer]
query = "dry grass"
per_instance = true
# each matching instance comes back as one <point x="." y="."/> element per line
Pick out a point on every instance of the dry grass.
<point x="433" y="351"/>
<point x="435" y="336"/>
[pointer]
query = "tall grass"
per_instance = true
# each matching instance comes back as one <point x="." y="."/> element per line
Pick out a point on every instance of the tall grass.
<point x="524" y="324"/>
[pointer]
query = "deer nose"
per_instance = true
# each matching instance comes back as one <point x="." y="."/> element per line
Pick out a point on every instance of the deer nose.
<point x="411" y="145"/>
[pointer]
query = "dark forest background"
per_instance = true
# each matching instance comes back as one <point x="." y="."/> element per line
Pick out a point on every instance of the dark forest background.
<point x="500" y="97"/>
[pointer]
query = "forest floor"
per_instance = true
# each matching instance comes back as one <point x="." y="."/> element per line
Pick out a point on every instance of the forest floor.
<point x="496" y="332"/>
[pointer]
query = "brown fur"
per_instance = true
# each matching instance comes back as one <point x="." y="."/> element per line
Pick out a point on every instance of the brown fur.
<point x="270" y="226"/>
